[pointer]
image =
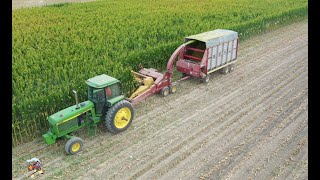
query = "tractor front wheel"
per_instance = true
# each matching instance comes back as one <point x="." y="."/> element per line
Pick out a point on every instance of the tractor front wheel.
<point x="74" y="145"/>
<point x="119" y="116"/>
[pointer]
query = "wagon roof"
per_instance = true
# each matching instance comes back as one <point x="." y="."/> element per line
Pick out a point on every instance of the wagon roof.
<point x="215" y="37"/>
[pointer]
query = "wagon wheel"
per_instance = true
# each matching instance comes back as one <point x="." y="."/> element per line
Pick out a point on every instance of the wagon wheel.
<point x="119" y="116"/>
<point x="165" y="91"/>
<point x="173" y="88"/>
<point x="225" y="70"/>
<point x="205" y="79"/>
<point x="232" y="66"/>
<point x="74" y="145"/>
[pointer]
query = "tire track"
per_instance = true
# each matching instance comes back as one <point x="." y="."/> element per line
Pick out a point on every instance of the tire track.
<point x="259" y="110"/>
<point x="225" y="162"/>
<point x="226" y="135"/>
<point x="265" y="145"/>
<point x="257" y="163"/>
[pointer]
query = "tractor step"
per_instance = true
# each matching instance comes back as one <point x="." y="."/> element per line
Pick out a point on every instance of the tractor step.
<point x="92" y="130"/>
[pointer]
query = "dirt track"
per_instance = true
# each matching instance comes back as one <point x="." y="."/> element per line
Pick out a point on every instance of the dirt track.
<point x="249" y="124"/>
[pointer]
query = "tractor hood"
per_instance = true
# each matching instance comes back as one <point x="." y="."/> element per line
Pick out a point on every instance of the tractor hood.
<point x="70" y="112"/>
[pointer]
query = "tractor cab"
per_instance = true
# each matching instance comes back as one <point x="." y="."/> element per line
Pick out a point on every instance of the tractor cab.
<point x="104" y="91"/>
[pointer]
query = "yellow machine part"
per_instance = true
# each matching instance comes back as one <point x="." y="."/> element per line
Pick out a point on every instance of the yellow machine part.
<point x="146" y="83"/>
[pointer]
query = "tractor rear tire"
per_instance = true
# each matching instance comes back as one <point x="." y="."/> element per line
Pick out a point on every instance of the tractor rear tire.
<point x="173" y="88"/>
<point x="165" y="91"/>
<point x="119" y="117"/>
<point x="74" y="145"/>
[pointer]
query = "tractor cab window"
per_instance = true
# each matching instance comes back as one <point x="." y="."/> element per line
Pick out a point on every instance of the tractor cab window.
<point x="113" y="91"/>
<point x="96" y="95"/>
<point x="101" y="94"/>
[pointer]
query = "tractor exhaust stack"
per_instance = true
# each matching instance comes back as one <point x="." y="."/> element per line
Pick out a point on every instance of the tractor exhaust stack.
<point x="76" y="96"/>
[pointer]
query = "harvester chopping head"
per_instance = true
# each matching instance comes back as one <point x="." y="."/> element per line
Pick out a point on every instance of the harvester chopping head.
<point x="145" y="81"/>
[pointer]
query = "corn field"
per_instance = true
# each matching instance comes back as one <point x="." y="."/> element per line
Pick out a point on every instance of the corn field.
<point x="56" y="48"/>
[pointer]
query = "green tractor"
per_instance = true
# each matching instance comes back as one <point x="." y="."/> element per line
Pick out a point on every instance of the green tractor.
<point x="105" y="103"/>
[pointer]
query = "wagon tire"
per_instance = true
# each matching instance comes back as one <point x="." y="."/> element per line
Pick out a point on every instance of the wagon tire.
<point x="119" y="117"/>
<point x="232" y="67"/>
<point x="225" y="70"/>
<point x="165" y="91"/>
<point x="205" y="79"/>
<point x="173" y="88"/>
<point x="74" y="145"/>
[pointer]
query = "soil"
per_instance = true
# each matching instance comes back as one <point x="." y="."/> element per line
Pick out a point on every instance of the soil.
<point x="249" y="124"/>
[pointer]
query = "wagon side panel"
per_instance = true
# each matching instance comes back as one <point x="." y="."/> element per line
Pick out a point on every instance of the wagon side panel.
<point x="225" y="53"/>
<point x="229" y="55"/>
<point x="213" y="58"/>
<point x="219" y="58"/>
<point x="209" y="64"/>
<point x="234" y="50"/>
